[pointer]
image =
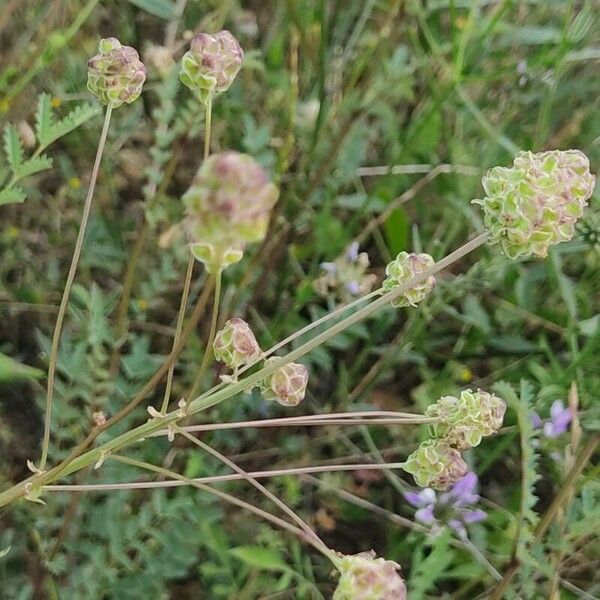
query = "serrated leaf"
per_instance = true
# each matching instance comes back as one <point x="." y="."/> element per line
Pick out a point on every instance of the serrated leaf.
<point x="43" y="118"/>
<point x="14" y="195"/>
<point x="260" y="558"/>
<point x="13" y="148"/>
<point x="159" y="8"/>
<point x="34" y="165"/>
<point x="74" y="119"/>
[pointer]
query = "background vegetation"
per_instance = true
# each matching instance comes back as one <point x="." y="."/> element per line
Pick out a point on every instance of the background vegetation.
<point x="328" y="88"/>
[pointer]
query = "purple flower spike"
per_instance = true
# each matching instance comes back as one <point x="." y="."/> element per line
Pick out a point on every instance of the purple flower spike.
<point x="560" y="418"/>
<point x="425" y="515"/>
<point x="474" y="516"/>
<point x="463" y="492"/>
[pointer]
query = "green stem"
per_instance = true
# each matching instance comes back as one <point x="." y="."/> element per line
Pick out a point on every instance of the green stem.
<point x="68" y="285"/>
<point x="232" y="500"/>
<point x="135" y="435"/>
<point x="208" y="352"/>
<point x="180" y="316"/>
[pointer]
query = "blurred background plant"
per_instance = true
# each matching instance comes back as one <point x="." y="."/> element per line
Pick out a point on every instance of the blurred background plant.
<point x="377" y="119"/>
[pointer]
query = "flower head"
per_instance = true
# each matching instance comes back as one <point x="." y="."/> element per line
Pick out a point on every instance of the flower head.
<point x="435" y="464"/>
<point x="464" y="421"/>
<point x="229" y="202"/>
<point x="364" y="577"/>
<point x="211" y="64"/>
<point x="535" y="203"/>
<point x="115" y="75"/>
<point x="287" y="385"/>
<point x="453" y="508"/>
<point x="402" y="269"/>
<point x="235" y="344"/>
<point x="346" y="276"/>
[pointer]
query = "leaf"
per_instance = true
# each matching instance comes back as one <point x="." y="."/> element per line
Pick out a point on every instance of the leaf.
<point x="159" y="8"/>
<point x="260" y="558"/>
<point x="34" y="165"/>
<point x="13" y="148"/>
<point x="14" y="195"/>
<point x="12" y="370"/>
<point x="49" y="132"/>
<point x="4" y="552"/>
<point x="43" y="119"/>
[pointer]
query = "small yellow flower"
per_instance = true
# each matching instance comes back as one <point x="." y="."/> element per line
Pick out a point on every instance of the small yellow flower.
<point x="143" y="304"/>
<point x="56" y="102"/>
<point x="465" y="374"/>
<point x="12" y="232"/>
<point x="75" y="183"/>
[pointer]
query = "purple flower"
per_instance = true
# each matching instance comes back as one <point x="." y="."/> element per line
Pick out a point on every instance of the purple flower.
<point x="329" y="267"/>
<point x="453" y="508"/>
<point x="353" y="287"/>
<point x="560" y="418"/>
<point x="352" y="252"/>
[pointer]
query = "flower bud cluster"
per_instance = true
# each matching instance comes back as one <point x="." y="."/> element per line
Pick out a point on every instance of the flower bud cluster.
<point x="436" y="464"/>
<point x="287" y="385"/>
<point x="535" y="203"/>
<point x="211" y="64"/>
<point x="115" y="75"/>
<point x="402" y="269"/>
<point x="364" y="577"/>
<point x="235" y="344"/>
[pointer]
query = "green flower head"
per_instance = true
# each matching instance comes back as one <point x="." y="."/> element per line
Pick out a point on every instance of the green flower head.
<point x="435" y="464"/>
<point x="535" y="203"/>
<point x="364" y="577"/>
<point x="235" y="344"/>
<point x="403" y="269"/>
<point x="464" y="421"/>
<point x="211" y="64"/>
<point x="115" y="75"/>
<point x="287" y="385"/>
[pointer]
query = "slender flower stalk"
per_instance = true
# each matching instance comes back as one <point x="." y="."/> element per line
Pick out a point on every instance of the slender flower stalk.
<point x="77" y="461"/>
<point x="259" y="486"/>
<point x="144" y="485"/>
<point x="232" y="500"/>
<point x="64" y="302"/>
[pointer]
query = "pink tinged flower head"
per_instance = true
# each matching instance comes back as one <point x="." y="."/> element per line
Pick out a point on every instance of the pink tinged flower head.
<point x="365" y="577"/>
<point x="229" y="201"/>
<point x="235" y="344"/>
<point x="435" y="464"/>
<point x="211" y="64"/>
<point x="402" y="269"/>
<point x="286" y="385"/>
<point x="466" y="420"/>
<point x="115" y="75"/>
<point x="535" y="203"/>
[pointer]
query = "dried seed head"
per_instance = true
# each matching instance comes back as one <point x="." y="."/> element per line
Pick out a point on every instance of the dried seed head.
<point x="364" y="577"/>
<point x="115" y="75"/>
<point x="435" y="464"/>
<point x="287" y="385"/>
<point x="235" y="344"/>
<point x="535" y="203"/>
<point x="229" y="202"/>
<point x="211" y="64"/>
<point x="464" y="421"/>
<point x="402" y="269"/>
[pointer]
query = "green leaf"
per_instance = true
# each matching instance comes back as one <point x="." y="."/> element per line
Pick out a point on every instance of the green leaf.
<point x="13" y="148"/>
<point x="50" y="133"/>
<point x="34" y="165"/>
<point x="43" y="119"/>
<point x="159" y="8"/>
<point x="260" y="558"/>
<point x="4" y="552"/>
<point x="11" y="370"/>
<point x="14" y="195"/>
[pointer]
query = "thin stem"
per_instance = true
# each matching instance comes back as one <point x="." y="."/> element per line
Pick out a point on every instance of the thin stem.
<point x="143" y="485"/>
<point x="259" y="486"/>
<point x="180" y="316"/>
<point x="208" y="352"/>
<point x="231" y="499"/>
<point x="69" y="283"/>
<point x="207" y="126"/>
<point x="373" y="418"/>
<point x="76" y="461"/>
